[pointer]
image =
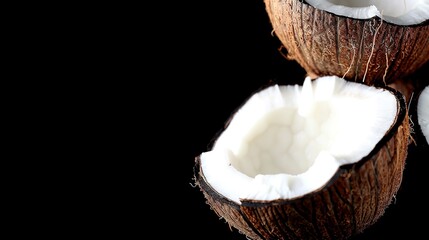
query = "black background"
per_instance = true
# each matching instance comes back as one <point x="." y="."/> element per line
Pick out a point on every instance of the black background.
<point x="138" y="92"/>
<point x="221" y="54"/>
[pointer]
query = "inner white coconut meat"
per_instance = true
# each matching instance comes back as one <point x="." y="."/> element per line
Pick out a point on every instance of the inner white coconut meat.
<point x="423" y="112"/>
<point x="401" y="12"/>
<point x="289" y="140"/>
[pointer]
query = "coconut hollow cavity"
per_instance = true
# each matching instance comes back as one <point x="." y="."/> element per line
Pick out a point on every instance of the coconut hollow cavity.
<point x="400" y="12"/>
<point x="289" y="141"/>
<point x="423" y="112"/>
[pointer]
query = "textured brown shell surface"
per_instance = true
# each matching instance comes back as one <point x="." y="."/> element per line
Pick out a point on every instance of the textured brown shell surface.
<point x="353" y="202"/>
<point x="372" y="51"/>
<point x="225" y="209"/>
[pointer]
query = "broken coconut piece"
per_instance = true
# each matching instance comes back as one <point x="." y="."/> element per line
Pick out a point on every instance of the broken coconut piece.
<point x="375" y="42"/>
<point x="321" y="160"/>
<point x="423" y="112"/>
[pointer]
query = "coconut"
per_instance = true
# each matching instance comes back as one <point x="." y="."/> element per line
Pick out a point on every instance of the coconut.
<point x="375" y="42"/>
<point x="321" y="160"/>
<point x="423" y="112"/>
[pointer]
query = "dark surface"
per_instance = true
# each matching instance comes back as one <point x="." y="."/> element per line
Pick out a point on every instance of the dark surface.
<point x="145" y="90"/>
<point x="231" y="53"/>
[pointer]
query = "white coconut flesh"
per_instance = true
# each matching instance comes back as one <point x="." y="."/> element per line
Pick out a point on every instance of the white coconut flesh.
<point x="289" y="140"/>
<point x="423" y="112"/>
<point x="400" y="12"/>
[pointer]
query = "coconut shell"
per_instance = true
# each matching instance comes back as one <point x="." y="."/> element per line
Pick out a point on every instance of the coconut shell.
<point x="371" y="51"/>
<point x="354" y="199"/>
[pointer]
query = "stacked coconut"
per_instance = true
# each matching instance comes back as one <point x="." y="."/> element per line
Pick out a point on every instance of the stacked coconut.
<point x="323" y="160"/>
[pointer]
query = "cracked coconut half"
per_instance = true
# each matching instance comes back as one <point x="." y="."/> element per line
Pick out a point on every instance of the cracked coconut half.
<point x="372" y="41"/>
<point x="317" y="161"/>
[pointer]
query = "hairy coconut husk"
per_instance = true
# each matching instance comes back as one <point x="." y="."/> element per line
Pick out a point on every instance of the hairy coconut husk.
<point x="370" y="50"/>
<point x="412" y="87"/>
<point x="354" y="199"/>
